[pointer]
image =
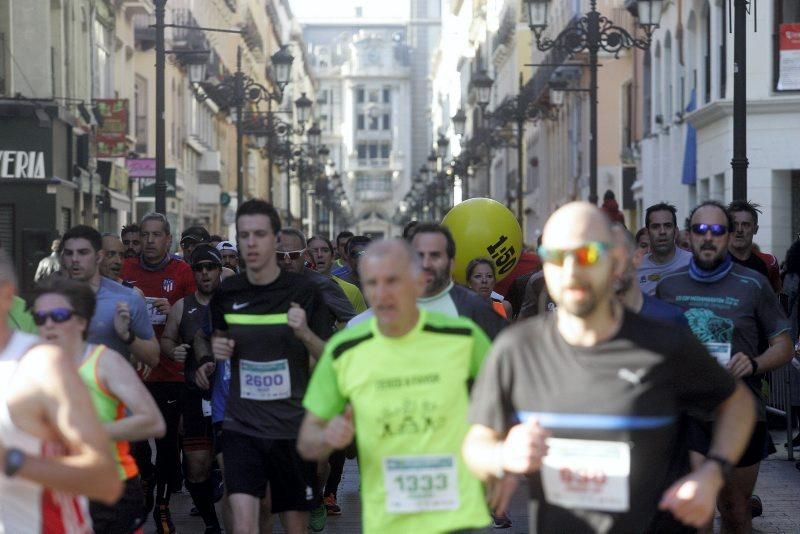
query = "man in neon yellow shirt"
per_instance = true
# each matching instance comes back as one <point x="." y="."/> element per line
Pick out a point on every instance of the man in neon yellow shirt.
<point x="400" y="378"/>
<point x="19" y="318"/>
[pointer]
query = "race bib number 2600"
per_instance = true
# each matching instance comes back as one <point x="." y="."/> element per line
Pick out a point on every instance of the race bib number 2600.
<point x="265" y="380"/>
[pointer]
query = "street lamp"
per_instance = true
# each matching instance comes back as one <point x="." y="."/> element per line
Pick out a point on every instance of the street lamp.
<point x="282" y="65"/>
<point x="303" y="107"/>
<point x="481" y="88"/>
<point x="593" y="33"/>
<point x="441" y="146"/>
<point x="459" y="122"/>
<point x="314" y="135"/>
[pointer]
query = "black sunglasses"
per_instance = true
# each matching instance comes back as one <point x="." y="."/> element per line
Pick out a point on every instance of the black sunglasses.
<point x="715" y="229"/>
<point x="58" y="315"/>
<point x="199" y="267"/>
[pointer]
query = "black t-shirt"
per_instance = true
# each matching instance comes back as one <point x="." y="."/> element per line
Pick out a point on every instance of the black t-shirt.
<point x="630" y="390"/>
<point x="753" y="262"/>
<point x="270" y="366"/>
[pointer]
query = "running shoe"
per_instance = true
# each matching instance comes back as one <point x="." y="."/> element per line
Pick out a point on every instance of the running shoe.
<point x="501" y="521"/>
<point x="149" y="488"/>
<point x="756" y="506"/>
<point x="163" y="520"/>
<point x="331" y="506"/>
<point x="318" y="518"/>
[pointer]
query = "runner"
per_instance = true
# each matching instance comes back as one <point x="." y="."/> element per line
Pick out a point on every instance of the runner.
<point x="664" y="258"/>
<point x="120" y="321"/>
<point x="253" y="314"/>
<point x="399" y="378"/>
<point x="745" y="221"/>
<point x="340" y="265"/>
<point x="356" y="246"/>
<point x="52" y="448"/>
<point x="733" y="311"/>
<point x="321" y="252"/>
<point x="481" y="277"/>
<point x="585" y="401"/>
<point x="132" y="240"/>
<point x="230" y="255"/>
<point x="190" y="238"/>
<point x="121" y="401"/>
<point x="187" y="317"/>
<point x="163" y="279"/>
<point x="642" y="244"/>
<point x="113" y="258"/>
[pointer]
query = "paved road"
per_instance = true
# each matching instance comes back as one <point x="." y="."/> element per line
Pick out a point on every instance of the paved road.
<point x="778" y="485"/>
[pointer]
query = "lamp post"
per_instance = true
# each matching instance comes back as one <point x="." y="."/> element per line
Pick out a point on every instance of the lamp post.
<point x="592" y="33"/>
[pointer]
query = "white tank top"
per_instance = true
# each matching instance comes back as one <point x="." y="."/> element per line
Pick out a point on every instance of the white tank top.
<point x="24" y="505"/>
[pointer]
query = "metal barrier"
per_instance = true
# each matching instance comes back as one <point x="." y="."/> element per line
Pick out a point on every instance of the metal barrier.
<point x="780" y="401"/>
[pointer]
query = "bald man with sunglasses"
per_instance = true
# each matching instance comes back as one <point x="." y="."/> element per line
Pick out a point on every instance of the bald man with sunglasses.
<point x="585" y="402"/>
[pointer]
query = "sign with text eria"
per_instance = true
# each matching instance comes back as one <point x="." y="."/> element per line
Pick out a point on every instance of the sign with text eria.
<point x="21" y="164"/>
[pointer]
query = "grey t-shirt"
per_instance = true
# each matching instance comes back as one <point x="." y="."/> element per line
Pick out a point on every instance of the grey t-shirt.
<point x="101" y="328"/>
<point x="740" y="310"/>
<point x="651" y="273"/>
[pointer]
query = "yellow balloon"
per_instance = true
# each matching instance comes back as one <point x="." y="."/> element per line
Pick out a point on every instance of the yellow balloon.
<point x="484" y="228"/>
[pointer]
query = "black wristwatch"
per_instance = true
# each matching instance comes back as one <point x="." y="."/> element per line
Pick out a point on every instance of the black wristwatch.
<point x="754" y="363"/>
<point x="15" y="459"/>
<point x="131" y="336"/>
<point x="725" y="466"/>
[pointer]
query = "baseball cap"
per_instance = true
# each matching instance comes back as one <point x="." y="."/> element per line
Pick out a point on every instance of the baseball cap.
<point x="204" y="252"/>
<point x="226" y="245"/>
<point x="196" y="233"/>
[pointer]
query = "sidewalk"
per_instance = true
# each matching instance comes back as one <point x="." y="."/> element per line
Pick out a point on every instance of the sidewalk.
<point x="778" y="486"/>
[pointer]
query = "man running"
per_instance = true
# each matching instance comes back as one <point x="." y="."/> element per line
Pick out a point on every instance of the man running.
<point x="113" y="258"/>
<point x="164" y="280"/>
<point x="120" y="320"/>
<point x="321" y="251"/>
<point x="733" y="310"/>
<point x="745" y="227"/>
<point x="586" y="401"/>
<point x="190" y="238"/>
<point x="52" y="447"/>
<point x="340" y="266"/>
<point x="665" y="257"/>
<point x="253" y="315"/>
<point x="187" y="317"/>
<point x="132" y="240"/>
<point x="230" y="255"/>
<point x="356" y="246"/>
<point x="399" y="378"/>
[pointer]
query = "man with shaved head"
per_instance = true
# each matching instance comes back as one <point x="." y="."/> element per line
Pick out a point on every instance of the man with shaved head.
<point x="586" y="401"/>
<point x="399" y="378"/>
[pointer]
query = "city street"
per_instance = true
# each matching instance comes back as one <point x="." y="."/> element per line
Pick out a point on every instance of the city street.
<point x="777" y="485"/>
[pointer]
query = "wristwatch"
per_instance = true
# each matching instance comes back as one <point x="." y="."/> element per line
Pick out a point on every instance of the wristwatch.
<point x="754" y="363"/>
<point x="15" y="459"/>
<point x="725" y="466"/>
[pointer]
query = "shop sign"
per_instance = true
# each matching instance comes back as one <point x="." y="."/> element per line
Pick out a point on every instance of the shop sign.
<point x="141" y="168"/>
<point x="111" y="136"/>
<point x="789" y="77"/>
<point x="21" y="164"/>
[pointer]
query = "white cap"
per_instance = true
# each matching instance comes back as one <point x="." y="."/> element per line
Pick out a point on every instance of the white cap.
<point x="226" y="245"/>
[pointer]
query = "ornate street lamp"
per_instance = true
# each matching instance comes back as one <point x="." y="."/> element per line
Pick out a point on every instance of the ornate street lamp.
<point x="459" y="122"/>
<point x="481" y="88"/>
<point x="303" y="107"/>
<point x="282" y="64"/>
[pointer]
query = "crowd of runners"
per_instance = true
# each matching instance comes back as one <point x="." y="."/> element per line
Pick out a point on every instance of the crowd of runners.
<point x="620" y="376"/>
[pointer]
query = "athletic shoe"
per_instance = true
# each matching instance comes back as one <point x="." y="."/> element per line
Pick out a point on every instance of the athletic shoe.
<point x="318" y="517"/>
<point x="331" y="506"/>
<point x="163" y="520"/>
<point x="149" y="488"/>
<point x="501" y="521"/>
<point x="756" y="506"/>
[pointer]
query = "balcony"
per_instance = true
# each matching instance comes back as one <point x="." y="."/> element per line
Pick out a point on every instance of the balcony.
<point x="136" y="7"/>
<point x="209" y="167"/>
<point x="185" y="39"/>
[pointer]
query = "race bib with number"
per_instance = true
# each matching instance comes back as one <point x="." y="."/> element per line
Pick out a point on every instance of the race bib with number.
<point x="206" y="408"/>
<point x="720" y="351"/>
<point x="586" y="474"/>
<point x="265" y="380"/>
<point x="156" y="317"/>
<point x="420" y="483"/>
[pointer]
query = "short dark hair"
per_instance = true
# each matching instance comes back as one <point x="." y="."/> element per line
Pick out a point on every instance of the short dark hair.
<point x="472" y="265"/>
<point x="661" y="206"/>
<point x="323" y="239"/>
<point x="357" y="240"/>
<point x="83" y="231"/>
<point x="130" y="228"/>
<point x="343" y="233"/>
<point x="80" y="295"/>
<point x="409" y="229"/>
<point x="716" y="204"/>
<point x="216" y="237"/>
<point x="256" y="206"/>
<point x="639" y="234"/>
<point x="745" y="205"/>
<point x="435" y="228"/>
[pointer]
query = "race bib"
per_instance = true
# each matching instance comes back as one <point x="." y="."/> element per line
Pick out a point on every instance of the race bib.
<point x="156" y="317"/>
<point x="586" y="474"/>
<point x="265" y="380"/>
<point x="420" y="483"/>
<point x="206" y="408"/>
<point x="720" y="351"/>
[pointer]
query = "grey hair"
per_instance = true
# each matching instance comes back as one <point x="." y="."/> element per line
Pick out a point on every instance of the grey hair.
<point x="296" y="233"/>
<point x="379" y="249"/>
<point x="7" y="274"/>
<point x="155" y="216"/>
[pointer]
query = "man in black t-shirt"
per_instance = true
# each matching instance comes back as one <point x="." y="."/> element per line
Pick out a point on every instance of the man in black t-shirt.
<point x="268" y="323"/>
<point x="586" y="401"/>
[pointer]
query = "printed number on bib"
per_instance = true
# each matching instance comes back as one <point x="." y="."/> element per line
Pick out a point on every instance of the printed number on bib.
<point x="420" y="483"/>
<point x="156" y="317"/>
<point x="587" y="474"/>
<point x="720" y="351"/>
<point x="265" y="380"/>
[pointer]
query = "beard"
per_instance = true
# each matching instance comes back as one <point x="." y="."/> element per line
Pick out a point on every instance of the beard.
<point x="440" y="280"/>
<point x="713" y="263"/>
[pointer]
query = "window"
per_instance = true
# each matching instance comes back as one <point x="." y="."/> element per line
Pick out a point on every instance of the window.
<point x="323" y="97"/>
<point x="387" y="121"/>
<point x="387" y="95"/>
<point x="103" y="50"/>
<point x="140" y="111"/>
<point x="386" y="150"/>
<point x="627" y="115"/>
<point x="647" y="93"/>
<point x="373" y="123"/>
<point x="786" y="12"/>
<point x="360" y="121"/>
<point x="374" y="95"/>
<point x="723" y="52"/>
<point x="373" y="151"/>
<point x="706" y="55"/>
<point x="362" y="151"/>
<point x="657" y="89"/>
<point x="668" y="83"/>
<point x="360" y="95"/>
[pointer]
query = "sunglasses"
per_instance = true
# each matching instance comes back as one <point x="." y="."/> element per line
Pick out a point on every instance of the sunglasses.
<point x="58" y="315"/>
<point x="715" y="229"/>
<point x="289" y="255"/>
<point x="585" y="255"/>
<point x="200" y="267"/>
